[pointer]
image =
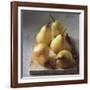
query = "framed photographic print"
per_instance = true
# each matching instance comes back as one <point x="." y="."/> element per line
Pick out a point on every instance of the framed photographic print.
<point x="48" y="44"/>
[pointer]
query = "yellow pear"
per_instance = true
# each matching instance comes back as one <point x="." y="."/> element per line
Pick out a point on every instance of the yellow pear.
<point x="57" y="28"/>
<point x="57" y="43"/>
<point x="65" y="53"/>
<point x="65" y="59"/>
<point x="40" y="53"/>
<point x="44" y="36"/>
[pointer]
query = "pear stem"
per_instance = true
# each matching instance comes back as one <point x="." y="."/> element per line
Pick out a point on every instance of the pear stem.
<point x="48" y="25"/>
<point x="52" y="17"/>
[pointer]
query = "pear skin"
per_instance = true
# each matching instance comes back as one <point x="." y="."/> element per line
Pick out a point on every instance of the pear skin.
<point x="44" y="36"/>
<point x="57" y="43"/>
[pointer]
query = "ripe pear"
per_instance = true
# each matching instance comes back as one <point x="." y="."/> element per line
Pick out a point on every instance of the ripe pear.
<point x="44" y="36"/>
<point x="57" y="43"/>
<point x="40" y="53"/>
<point x="65" y="59"/>
<point x="65" y="53"/>
<point x="57" y="27"/>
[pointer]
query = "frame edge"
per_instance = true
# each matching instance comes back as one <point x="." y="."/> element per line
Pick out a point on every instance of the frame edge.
<point x="14" y="83"/>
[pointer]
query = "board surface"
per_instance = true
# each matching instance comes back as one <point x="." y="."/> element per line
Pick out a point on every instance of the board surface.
<point x="38" y="70"/>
